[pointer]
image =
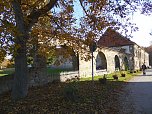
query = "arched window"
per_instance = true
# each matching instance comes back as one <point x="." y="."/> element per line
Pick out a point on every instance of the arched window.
<point x="117" y="63"/>
<point x="126" y="64"/>
<point x="101" y="62"/>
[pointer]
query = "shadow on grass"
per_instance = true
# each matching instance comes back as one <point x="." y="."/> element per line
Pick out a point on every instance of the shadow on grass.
<point x="91" y="97"/>
<point x="7" y="71"/>
<point x="88" y="97"/>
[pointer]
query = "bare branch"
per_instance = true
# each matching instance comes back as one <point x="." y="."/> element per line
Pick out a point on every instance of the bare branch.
<point x="83" y="8"/>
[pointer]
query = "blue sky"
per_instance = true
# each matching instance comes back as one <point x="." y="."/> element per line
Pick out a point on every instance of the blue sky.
<point x="143" y="22"/>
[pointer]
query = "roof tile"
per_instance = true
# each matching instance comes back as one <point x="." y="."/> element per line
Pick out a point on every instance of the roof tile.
<point x="111" y="38"/>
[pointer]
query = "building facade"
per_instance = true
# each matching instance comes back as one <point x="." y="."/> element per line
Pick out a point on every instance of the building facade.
<point x="114" y="52"/>
<point x="136" y="54"/>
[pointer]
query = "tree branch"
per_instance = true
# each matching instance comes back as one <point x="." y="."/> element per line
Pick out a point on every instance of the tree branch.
<point x="18" y="15"/>
<point x="83" y="8"/>
<point x="36" y="13"/>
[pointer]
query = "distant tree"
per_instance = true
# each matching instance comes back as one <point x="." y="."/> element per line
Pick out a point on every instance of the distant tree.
<point x="146" y="7"/>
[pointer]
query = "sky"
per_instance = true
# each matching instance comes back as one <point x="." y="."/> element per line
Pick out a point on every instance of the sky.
<point x="144" y="23"/>
<point x="142" y="37"/>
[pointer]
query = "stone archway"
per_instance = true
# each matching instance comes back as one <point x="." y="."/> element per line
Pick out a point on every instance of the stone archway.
<point x="126" y="63"/>
<point x="101" y="61"/>
<point x="117" y="63"/>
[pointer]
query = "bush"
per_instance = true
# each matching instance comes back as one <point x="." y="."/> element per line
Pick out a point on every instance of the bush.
<point x="115" y="77"/>
<point x="123" y="75"/>
<point x="75" y="79"/>
<point x="71" y="92"/>
<point x="131" y="71"/>
<point x="102" y="80"/>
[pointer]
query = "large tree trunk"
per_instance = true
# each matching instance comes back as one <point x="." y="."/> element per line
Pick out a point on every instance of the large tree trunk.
<point x="20" y="85"/>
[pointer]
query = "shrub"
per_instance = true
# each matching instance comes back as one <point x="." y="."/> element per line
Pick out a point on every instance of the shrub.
<point x="123" y="75"/>
<point x="103" y="80"/>
<point x="71" y="92"/>
<point x="115" y="77"/>
<point x="131" y="71"/>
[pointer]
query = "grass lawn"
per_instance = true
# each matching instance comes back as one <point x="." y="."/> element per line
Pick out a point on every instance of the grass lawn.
<point x="110" y="76"/>
<point x="6" y="71"/>
<point x="49" y="70"/>
<point x="81" y="97"/>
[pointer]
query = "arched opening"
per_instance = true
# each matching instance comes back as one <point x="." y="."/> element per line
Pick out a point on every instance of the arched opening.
<point x="75" y="61"/>
<point x="126" y="64"/>
<point x="117" y="63"/>
<point x="66" y="59"/>
<point x="101" y="62"/>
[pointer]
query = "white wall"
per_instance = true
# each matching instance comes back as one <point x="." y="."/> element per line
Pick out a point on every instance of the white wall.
<point x="65" y="63"/>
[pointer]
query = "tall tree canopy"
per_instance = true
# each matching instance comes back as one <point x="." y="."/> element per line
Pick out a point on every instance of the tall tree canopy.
<point x="23" y="23"/>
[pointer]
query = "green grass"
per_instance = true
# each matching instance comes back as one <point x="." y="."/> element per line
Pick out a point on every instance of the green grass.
<point x="110" y="78"/>
<point x="6" y="71"/>
<point x="49" y="70"/>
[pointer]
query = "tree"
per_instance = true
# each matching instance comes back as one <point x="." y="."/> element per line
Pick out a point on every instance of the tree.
<point x="21" y="19"/>
<point x="26" y="14"/>
<point x="146" y="7"/>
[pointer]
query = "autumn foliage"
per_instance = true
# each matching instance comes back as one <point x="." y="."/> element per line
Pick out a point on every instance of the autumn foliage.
<point x="36" y="26"/>
<point x="76" y="97"/>
<point x="2" y="55"/>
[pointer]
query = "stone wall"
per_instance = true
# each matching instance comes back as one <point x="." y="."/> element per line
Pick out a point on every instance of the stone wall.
<point x="6" y="82"/>
<point x="85" y="67"/>
<point x="146" y="59"/>
<point x="140" y="57"/>
<point x="39" y="76"/>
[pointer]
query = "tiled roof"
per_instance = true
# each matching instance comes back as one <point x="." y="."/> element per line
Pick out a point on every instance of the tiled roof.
<point x="111" y="38"/>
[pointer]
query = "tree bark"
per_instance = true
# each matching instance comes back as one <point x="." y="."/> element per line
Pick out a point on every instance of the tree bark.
<point x="40" y="70"/>
<point x="20" y="85"/>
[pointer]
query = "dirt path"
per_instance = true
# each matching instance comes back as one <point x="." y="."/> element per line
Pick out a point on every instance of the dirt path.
<point x="139" y="94"/>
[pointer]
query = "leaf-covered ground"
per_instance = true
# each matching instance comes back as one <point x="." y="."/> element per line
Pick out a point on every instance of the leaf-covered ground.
<point x="82" y="97"/>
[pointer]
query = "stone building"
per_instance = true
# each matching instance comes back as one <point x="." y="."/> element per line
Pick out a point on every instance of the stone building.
<point x="105" y="60"/>
<point x="114" y="52"/>
<point x="149" y="50"/>
<point x="136" y="54"/>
